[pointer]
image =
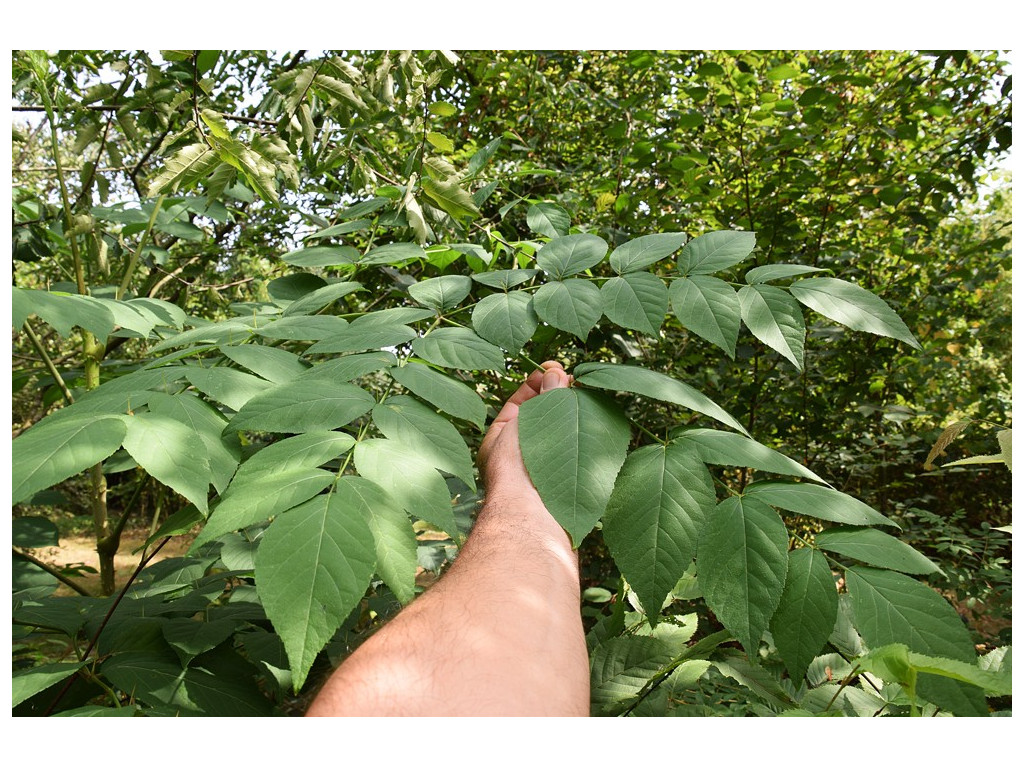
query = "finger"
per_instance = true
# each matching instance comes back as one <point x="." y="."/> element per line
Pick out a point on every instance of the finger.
<point x="529" y="388"/>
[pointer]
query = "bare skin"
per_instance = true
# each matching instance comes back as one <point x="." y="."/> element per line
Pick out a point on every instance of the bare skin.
<point x="501" y="632"/>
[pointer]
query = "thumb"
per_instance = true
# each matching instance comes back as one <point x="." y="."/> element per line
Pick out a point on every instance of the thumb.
<point x="554" y="378"/>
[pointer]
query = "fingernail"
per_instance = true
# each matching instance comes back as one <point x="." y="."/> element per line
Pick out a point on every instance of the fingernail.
<point x="552" y="380"/>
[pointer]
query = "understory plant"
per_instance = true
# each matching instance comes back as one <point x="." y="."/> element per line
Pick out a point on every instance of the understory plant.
<point x="322" y="438"/>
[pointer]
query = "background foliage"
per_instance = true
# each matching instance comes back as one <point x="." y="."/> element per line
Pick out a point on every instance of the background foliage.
<point x="278" y="287"/>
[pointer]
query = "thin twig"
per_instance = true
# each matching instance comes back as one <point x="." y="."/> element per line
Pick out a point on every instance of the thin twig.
<point x="106" y="620"/>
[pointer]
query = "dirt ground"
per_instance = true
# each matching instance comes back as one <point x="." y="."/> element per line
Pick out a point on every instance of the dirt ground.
<point x="81" y="550"/>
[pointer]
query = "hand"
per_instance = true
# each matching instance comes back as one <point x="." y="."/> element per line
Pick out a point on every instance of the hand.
<point x="500" y="457"/>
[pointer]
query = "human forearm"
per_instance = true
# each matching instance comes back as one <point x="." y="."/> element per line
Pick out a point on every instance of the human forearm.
<point x="500" y="634"/>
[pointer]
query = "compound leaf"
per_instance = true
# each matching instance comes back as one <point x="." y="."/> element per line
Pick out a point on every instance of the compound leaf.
<point x="713" y="251"/>
<point x="708" y="307"/>
<point x="892" y="607"/>
<point x="775" y="318"/>
<point x="637" y="300"/>
<point x="312" y="569"/>
<point x="876" y="548"/>
<point x="570" y="305"/>
<point x="741" y="565"/>
<point x="852" y="306"/>
<point x="656" y="511"/>
<point x="307" y="405"/>
<point x="571" y="254"/>
<point x="506" y="319"/>
<point x="573" y="443"/>
<point x="459" y="348"/>
<point x="45" y="455"/>
<point x="643" y="381"/>
<point x="451" y="396"/>
<point x="807" y="610"/>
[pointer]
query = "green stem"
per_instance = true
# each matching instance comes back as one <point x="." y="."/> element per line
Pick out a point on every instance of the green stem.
<point x="138" y="250"/>
<point x="37" y="345"/>
<point x="51" y="570"/>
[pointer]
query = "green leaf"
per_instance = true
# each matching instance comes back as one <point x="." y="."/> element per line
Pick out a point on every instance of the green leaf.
<point x="569" y="305"/>
<point x="307" y="405"/>
<point x="224" y="332"/>
<point x="442" y="108"/>
<point x="189" y="637"/>
<point x="771" y="272"/>
<point x="807" y="610"/>
<point x="817" y="501"/>
<point x="351" y="367"/>
<point x="482" y="156"/>
<point x="34" y="532"/>
<point x="306" y="451"/>
<point x="876" y="548"/>
<point x="620" y="667"/>
<point x="168" y="314"/>
<point x="708" y="307"/>
<point x="393" y="253"/>
<point x="410" y="480"/>
<point x="440" y="142"/>
<point x="450" y="197"/>
<point x="642" y="381"/>
<point x="320" y="298"/>
<point x="337" y="91"/>
<point x="172" y="453"/>
<point x="433" y="437"/>
<point x="459" y="348"/>
<point x="505" y="278"/>
<point x="322" y="256"/>
<point x="259" y="172"/>
<point x="253" y="499"/>
<point x="312" y="569"/>
<point x="891" y="607"/>
<point x="742" y="564"/>
<point x="571" y="254"/>
<point x="714" y="251"/>
<point x="226" y="385"/>
<point x="393" y="536"/>
<point x="441" y="293"/>
<point x="183" y="169"/>
<point x="657" y="509"/>
<point x="222" y="451"/>
<point x="312" y="328"/>
<point x="896" y="663"/>
<point x="852" y="306"/>
<point x="548" y="219"/>
<point x="46" y="454"/>
<point x="64" y="311"/>
<point x="729" y="450"/>
<point x="93" y="710"/>
<point x="775" y="318"/>
<point x="290" y="288"/>
<point x="272" y="363"/>
<point x="343" y="228"/>
<point x="573" y="443"/>
<point x="26" y="684"/>
<point x="128" y="317"/>
<point x="638" y="300"/>
<point x="451" y="396"/>
<point x="637" y="254"/>
<point x="359" y="336"/>
<point x="506" y="319"/>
